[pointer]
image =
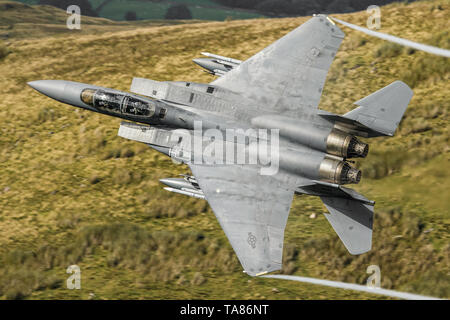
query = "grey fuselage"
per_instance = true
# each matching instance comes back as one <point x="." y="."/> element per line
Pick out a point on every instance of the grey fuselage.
<point x="305" y="137"/>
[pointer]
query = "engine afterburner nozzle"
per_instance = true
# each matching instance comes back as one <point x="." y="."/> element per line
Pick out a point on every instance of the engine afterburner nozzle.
<point x="339" y="172"/>
<point x="345" y="145"/>
<point x="358" y="149"/>
<point x="353" y="175"/>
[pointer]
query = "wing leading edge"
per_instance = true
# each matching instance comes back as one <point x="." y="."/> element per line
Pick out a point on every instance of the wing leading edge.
<point x="291" y="72"/>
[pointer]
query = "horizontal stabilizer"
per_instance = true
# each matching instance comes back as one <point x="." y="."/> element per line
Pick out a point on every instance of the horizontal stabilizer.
<point x="352" y="220"/>
<point x="326" y="189"/>
<point x="383" y="110"/>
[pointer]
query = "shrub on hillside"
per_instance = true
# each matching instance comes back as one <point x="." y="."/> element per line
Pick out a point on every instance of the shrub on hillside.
<point x="130" y="16"/>
<point x="178" y="11"/>
<point x="3" y="50"/>
<point x="388" y="50"/>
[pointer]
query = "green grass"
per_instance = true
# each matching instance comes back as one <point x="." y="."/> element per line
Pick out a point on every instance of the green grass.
<point x="73" y="192"/>
<point x="20" y="21"/>
<point x="222" y="14"/>
<point x="202" y="10"/>
<point x="146" y="10"/>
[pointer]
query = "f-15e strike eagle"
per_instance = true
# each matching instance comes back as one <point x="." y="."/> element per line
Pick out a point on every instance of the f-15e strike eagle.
<point x="277" y="90"/>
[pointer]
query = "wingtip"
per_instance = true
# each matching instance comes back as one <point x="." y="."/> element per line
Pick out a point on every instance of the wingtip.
<point x="359" y="251"/>
<point x="402" y="84"/>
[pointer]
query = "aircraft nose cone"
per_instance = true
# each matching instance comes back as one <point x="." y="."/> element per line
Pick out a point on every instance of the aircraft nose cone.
<point x="63" y="91"/>
<point x="51" y="88"/>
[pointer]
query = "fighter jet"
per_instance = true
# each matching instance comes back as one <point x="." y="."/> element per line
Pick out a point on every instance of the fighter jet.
<point x="270" y="99"/>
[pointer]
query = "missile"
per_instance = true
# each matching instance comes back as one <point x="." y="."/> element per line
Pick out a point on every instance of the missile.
<point x="217" y="65"/>
<point x="186" y="193"/>
<point x="178" y="183"/>
<point x="191" y="179"/>
<point x="212" y="66"/>
<point x="183" y="186"/>
<point x="222" y="58"/>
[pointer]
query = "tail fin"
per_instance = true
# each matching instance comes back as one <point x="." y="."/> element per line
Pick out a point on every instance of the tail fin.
<point x="382" y="110"/>
<point x="352" y="220"/>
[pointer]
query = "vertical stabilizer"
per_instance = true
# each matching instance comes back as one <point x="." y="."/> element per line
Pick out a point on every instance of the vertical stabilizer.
<point x="383" y="110"/>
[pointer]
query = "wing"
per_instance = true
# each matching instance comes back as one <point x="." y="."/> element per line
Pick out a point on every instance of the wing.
<point x="291" y="72"/>
<point x="252" y="210"/>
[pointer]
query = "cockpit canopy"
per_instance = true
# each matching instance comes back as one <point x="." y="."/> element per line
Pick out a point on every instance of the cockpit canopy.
<point x="115" y="102"/>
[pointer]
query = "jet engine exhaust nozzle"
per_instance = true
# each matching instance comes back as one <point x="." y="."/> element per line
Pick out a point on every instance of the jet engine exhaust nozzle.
<point x="342" y="144"/>
<point x="358" y="149"/>
<point x="353" y="175"/>
<point x="338" y="172"/>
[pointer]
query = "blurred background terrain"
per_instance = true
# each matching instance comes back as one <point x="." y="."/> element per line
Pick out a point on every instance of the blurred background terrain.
<point x="72" y="192"/>
<point x="208" y="9"/>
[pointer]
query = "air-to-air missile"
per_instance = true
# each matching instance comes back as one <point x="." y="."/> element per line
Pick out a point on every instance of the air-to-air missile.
<point x="187" y="186"/>
<point x="217" y="65"/>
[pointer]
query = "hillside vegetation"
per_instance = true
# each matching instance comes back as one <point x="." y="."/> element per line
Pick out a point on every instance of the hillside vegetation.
<point x="152" y="9"/>
<point x="212" y="9"/>
<point x="19" y="21"/>
<point x="72" y="192"/>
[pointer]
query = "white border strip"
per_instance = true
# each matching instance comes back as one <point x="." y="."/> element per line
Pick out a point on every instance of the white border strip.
<point x="401" y="41"/>
<point x="354" y="287"/>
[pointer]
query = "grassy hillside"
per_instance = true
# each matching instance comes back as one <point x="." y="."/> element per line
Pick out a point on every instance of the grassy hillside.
<point x="72" y="192"/>
<point x="19" y="21"/>
<point x="200" y="9"/>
